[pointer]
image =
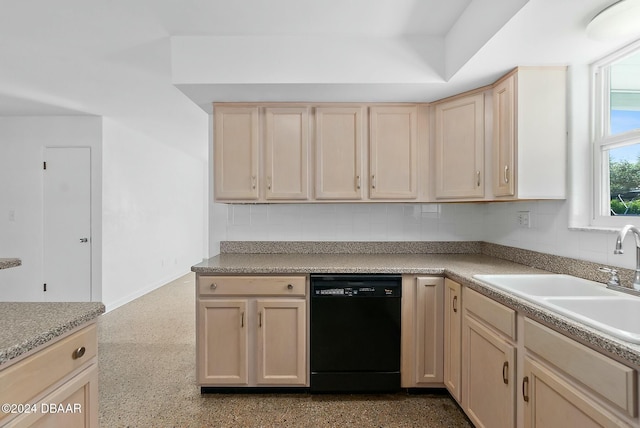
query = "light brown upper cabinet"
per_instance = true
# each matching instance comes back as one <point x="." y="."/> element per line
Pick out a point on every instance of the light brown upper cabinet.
<point x="504" y="137"/>
<point x="237" y="135"/>
<point x="530" y="131"/>
<point x="459" y="147"/>
<point x="333" y="152"/>
<point x="393" y="159"/>
<point x="286" y="153"/>
<point x="339" y="137"/>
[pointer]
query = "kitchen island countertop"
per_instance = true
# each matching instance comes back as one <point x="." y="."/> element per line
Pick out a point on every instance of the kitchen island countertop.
<point x="27" y="325"/>
<point x="6" y="263"/>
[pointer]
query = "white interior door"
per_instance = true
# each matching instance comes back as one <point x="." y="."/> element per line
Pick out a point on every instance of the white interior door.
<point x="67" y="224"/>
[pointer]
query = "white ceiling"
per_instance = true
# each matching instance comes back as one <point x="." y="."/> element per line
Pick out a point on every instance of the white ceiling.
<point x="296" y="17"/>
<point x="135" y="60"/>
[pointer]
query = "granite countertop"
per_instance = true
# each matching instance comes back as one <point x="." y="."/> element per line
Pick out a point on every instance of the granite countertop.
<point x="459" y="267"/>
<point x="9" y="263"/>
<point x="26" y="325"/>
<point x="425" y="264"/>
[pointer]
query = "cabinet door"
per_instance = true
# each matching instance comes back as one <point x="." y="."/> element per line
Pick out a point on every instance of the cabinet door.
<point x="504" y="138"/>
<point x="488" y="376"/>
<point x="393" y="152"/>
<point x="282" y="343"/>
<point x="339" y="153"/>
<point x="74" y="404"/>
<point x="429" y="302"/>
<point x="452" y="338"/>
<point x="286" y="147"/>
<point x="223" y="339"/>
<point x="236" y="133"/>
<point x="459" y="147"/>
<point x="551" y="402"/>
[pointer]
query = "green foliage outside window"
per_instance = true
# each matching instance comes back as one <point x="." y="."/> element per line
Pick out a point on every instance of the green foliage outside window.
<point x="624" y="179"/>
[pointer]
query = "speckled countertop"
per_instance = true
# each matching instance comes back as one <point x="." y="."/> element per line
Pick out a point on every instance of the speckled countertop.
<point x="425" y="264"/>
<point x="459" y="267"/>
<point x="26" y="325"/>
<point x="9" y="263"/>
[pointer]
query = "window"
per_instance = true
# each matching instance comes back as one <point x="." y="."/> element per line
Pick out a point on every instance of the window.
<point x="616" y="136"/>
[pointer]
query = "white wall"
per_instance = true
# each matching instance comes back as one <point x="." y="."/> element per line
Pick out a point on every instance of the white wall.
<point x="355" y="222"/>
<point x="493" y="222"/>
<point x="550" y="233"/>
<point x="22" y="144"/>
<point x="154" y="200"/>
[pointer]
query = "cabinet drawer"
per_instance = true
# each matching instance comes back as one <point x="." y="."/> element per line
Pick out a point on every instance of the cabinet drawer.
<point x="252" y="285"/>
<point x="78" y="397"/>
<point x="608" y="378"/>
<point x="491" y="312"/>
<point x="21" y="382"/>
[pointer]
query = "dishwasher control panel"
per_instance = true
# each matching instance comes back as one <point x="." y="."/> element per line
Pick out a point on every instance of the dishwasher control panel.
<point x="356" y="286"/>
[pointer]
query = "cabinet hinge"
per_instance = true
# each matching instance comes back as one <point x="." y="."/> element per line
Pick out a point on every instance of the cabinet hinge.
<point x="44" y="288"/>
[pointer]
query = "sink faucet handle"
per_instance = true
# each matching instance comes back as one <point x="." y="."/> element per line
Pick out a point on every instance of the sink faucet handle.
<point x="613" y="279"/>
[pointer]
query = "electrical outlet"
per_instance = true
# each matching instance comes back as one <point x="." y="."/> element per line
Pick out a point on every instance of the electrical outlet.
<point x="524" y="219"/>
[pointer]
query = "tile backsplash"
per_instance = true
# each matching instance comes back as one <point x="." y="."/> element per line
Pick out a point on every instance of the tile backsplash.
<point x="356" y="222"/>
<point x="491" y="222"/>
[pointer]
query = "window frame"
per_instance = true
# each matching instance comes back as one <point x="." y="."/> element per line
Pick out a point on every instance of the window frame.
<point x="600" y="125"/>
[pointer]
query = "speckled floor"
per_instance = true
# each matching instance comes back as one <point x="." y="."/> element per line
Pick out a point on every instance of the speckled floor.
<point x="147" y="379"/>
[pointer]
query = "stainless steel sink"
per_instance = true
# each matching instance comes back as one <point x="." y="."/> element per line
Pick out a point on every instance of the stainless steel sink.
<point x="589" y="302"/>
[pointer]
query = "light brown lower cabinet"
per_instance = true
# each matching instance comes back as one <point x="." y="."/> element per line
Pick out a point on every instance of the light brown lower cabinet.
<point x="72" y="405"/>
<point x="567" y="384"/>
<point x="56" y="386"/>
<point x="517" y="372"/>
<point x="251" y="331"/>
<point x="453" y="338"/>
<point x="553" y="402"/>
<point x="281" y="342"/>
<point x="422" y="321"/>
<point x="488" y="395"/>
<point x="488" y="362"/>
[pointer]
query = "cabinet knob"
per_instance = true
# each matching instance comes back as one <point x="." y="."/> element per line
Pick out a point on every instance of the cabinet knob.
<point x="290" y="287"/>
<point x="525" y="389"/>
<point x="455" y="303"/>
<point x="78" y="353"/>
<point x="373" y="181"/>
<point x="214" y="286"/>
<point x="478" y="174"/>
<point x="506" y="173"/>
<point x="505" y="372"/>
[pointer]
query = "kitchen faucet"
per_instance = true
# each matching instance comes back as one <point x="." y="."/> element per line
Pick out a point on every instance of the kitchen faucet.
<point x="621" y="235"/>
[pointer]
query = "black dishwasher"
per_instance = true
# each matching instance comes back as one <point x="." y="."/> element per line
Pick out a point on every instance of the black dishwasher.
<point x="355" y="333"/>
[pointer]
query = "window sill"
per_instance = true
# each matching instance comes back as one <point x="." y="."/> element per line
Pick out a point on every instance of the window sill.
<point x="601" y="229"/>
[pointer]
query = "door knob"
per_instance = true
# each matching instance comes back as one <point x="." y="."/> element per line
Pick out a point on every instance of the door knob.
<point x="83" y="240"/>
